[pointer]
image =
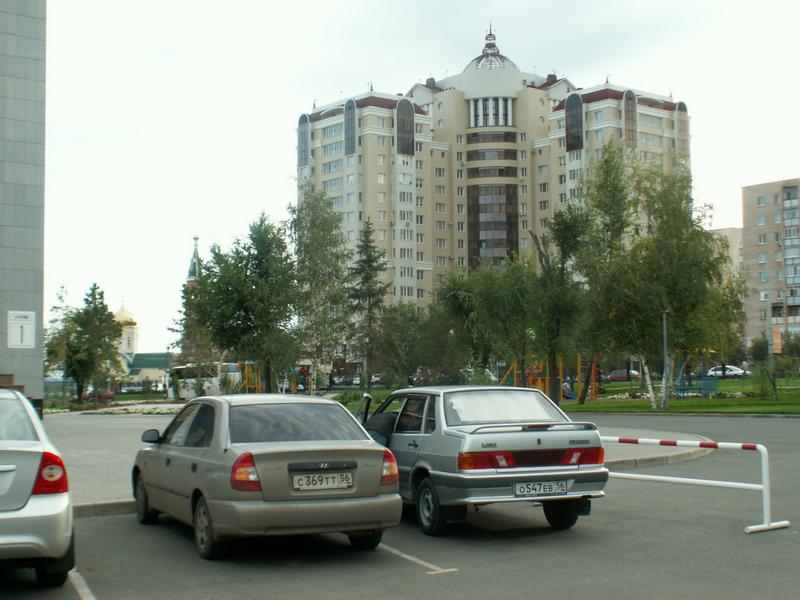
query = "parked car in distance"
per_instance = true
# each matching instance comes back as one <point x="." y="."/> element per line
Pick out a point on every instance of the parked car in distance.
<point x="35" y="505"/>
<point x="357" y="379"/>
<point x="730" y="371"/>
<point x="265" y="464"/>
<point x="461" y="446"/>
<point x="622" y="375"/>
<point x="376" y="378"/>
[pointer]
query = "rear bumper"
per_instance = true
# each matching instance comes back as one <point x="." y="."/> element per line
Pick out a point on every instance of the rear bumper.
<point x="492" y="487"/>
<point x="40" y="529"/>
<point x="240" y="518"/>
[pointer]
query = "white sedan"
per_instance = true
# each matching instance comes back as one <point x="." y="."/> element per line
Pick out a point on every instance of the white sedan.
<point x="730" y="371"/>
<point x="35" y="505"/>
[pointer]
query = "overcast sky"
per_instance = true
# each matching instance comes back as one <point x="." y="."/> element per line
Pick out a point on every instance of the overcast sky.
<point x="173" y="118"/>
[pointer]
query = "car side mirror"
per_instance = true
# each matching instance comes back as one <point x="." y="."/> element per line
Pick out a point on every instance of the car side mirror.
<point x="151" y="436"/>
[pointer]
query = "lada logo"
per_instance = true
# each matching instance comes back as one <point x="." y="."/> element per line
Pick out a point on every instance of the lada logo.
<point x="323" y="465"/>
<point x="489" y="445"/>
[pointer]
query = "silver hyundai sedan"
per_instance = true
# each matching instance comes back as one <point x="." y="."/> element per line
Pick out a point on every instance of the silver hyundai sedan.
<point x="471" y="446"/>
<point x="266" y="464"/>
<point x="35" y="506"/>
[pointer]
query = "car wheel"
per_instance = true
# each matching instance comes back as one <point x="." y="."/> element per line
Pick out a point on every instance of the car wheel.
<point x="365" y="541"/>
<point x="52" y="572"/>
<point x="207" y="546"/>
<point x="560" y="514"/>
<point x="430" y="515"/>
<point x="144" y="514"/>
<point x="47" y="578"/>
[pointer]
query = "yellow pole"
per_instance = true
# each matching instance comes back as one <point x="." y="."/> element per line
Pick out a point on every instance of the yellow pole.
<point x="579" y="384"/>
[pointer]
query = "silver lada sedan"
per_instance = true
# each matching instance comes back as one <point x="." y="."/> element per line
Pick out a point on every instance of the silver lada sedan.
<point x="35" y="505"/>
<point x="471" y="446"/>
<point x="266" y="464"/>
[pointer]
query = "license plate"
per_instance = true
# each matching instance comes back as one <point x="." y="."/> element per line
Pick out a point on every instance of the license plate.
<point x="323" y="481"/>
<point x="540" y="488"/>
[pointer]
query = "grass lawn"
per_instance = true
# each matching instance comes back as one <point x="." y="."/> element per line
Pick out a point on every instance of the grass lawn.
<point x="756" y="402"/>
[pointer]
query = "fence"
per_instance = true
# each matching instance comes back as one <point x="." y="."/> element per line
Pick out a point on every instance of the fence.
<point x="763" y="487"/>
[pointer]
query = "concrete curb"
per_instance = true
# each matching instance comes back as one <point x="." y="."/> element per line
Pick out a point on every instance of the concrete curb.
<point x="104" y="509"/>
<point x="658" y="459"/>
<point x="124" y="507"/>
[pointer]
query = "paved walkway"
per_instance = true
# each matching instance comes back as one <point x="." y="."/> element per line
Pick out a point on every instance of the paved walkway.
<point x="99" y="451"/>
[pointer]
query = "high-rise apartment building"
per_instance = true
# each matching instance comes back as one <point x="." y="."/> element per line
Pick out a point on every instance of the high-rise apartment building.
<point x="22" y="78"/>
<point x="771" y="259"/>
<point x="462" y="171"/>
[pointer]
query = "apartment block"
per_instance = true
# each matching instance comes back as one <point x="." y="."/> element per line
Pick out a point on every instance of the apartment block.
<point x="22" y="97"/>
<point x="771" y="259"/>
<point x="466" y="170"/>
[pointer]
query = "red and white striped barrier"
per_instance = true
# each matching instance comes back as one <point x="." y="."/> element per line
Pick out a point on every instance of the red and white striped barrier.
<point x="763" y="487"/>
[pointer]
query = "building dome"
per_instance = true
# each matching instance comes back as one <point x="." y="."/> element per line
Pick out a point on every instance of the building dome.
<point x="491" y="73"/>
<point x="125" y="318"/>
<point x="490" y="58"/>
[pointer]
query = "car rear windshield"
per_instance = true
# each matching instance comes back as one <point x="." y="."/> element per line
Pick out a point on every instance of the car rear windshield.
<point x="498" y="406"/>
<point x="251" y="423"/>
<point x="14" y="422"/>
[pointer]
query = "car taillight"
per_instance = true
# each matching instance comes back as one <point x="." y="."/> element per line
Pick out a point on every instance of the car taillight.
<point x="52" y="476"/>
<point x="584" y="456"/>
<point x="390" y="475"/>
<point x="244" y="476"/>
<point x="468" y="461"/>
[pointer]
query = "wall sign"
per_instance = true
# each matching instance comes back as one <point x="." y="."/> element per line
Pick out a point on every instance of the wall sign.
<point x="21" y="329"/>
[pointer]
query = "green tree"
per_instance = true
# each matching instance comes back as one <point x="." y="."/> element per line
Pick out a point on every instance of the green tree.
<point x="85" y="342"/>
<point x="557" y="296"/>
<point x="321" y="263"/>
<point x="244" y="299"/>
<point x="365" y="295"/>
<point x="607" y="216"/>
<point x="399" y="343"/>
<point x="60" y="331"/>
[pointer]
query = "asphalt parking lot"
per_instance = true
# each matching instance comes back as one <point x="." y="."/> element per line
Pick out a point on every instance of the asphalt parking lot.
<point x="644" y="539"/>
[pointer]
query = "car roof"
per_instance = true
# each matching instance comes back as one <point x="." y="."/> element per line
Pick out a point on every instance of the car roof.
<point x="443" y="389"/>
<point x="247" y="399"/>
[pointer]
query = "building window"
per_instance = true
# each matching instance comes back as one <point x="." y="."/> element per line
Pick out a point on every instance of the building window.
<point x="573" y="110"/>
<point x="543" y="187"/>
<point x="441" y="190"/>
<point x="381" y="178"/>
<point x="542" y="205"/>
<point x="763" y="276"/>
<point x="523" y="137"/>
<point x="302" y="141"/>
<point x="405" y="127"/>
<point x="333" y="130"/>
<point x="562" y="179"/>
<point x="420" y="200"/>
<point x="562" y="160"/>
<point x="461" y="244"/>
<point x="542" y="170"/>
<point x="439" y="207"/>
<point x="350" y="127"/>
<point x="441" y="243"/>
<point x="763" y="296"/>
<point x="440" y="261"/>
<point x="762" y="238"/>
<point x="762" y="257"/>
<point x="777" y="218"/>
<point x="761" y="220"/>
<point x="460" y="226"/>
<point x="440" y="225"/>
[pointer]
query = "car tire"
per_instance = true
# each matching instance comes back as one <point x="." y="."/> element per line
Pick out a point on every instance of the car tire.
<point x="430" y="514"/>
<point x="144" y="514"/>
<point x="207" y="546"/>
<point x="47" y="578"/>
<point x="365" y="540"/>
<point x="53" y="572"/>
<point x="560" y="514"/>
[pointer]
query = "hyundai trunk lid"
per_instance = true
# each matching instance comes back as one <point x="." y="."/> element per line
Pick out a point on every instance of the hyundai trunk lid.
<point x="322" y="470"/>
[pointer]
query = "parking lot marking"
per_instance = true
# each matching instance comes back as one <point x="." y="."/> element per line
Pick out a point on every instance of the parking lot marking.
<point x="432" y="569"/>
<point x="80" y="585"/>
